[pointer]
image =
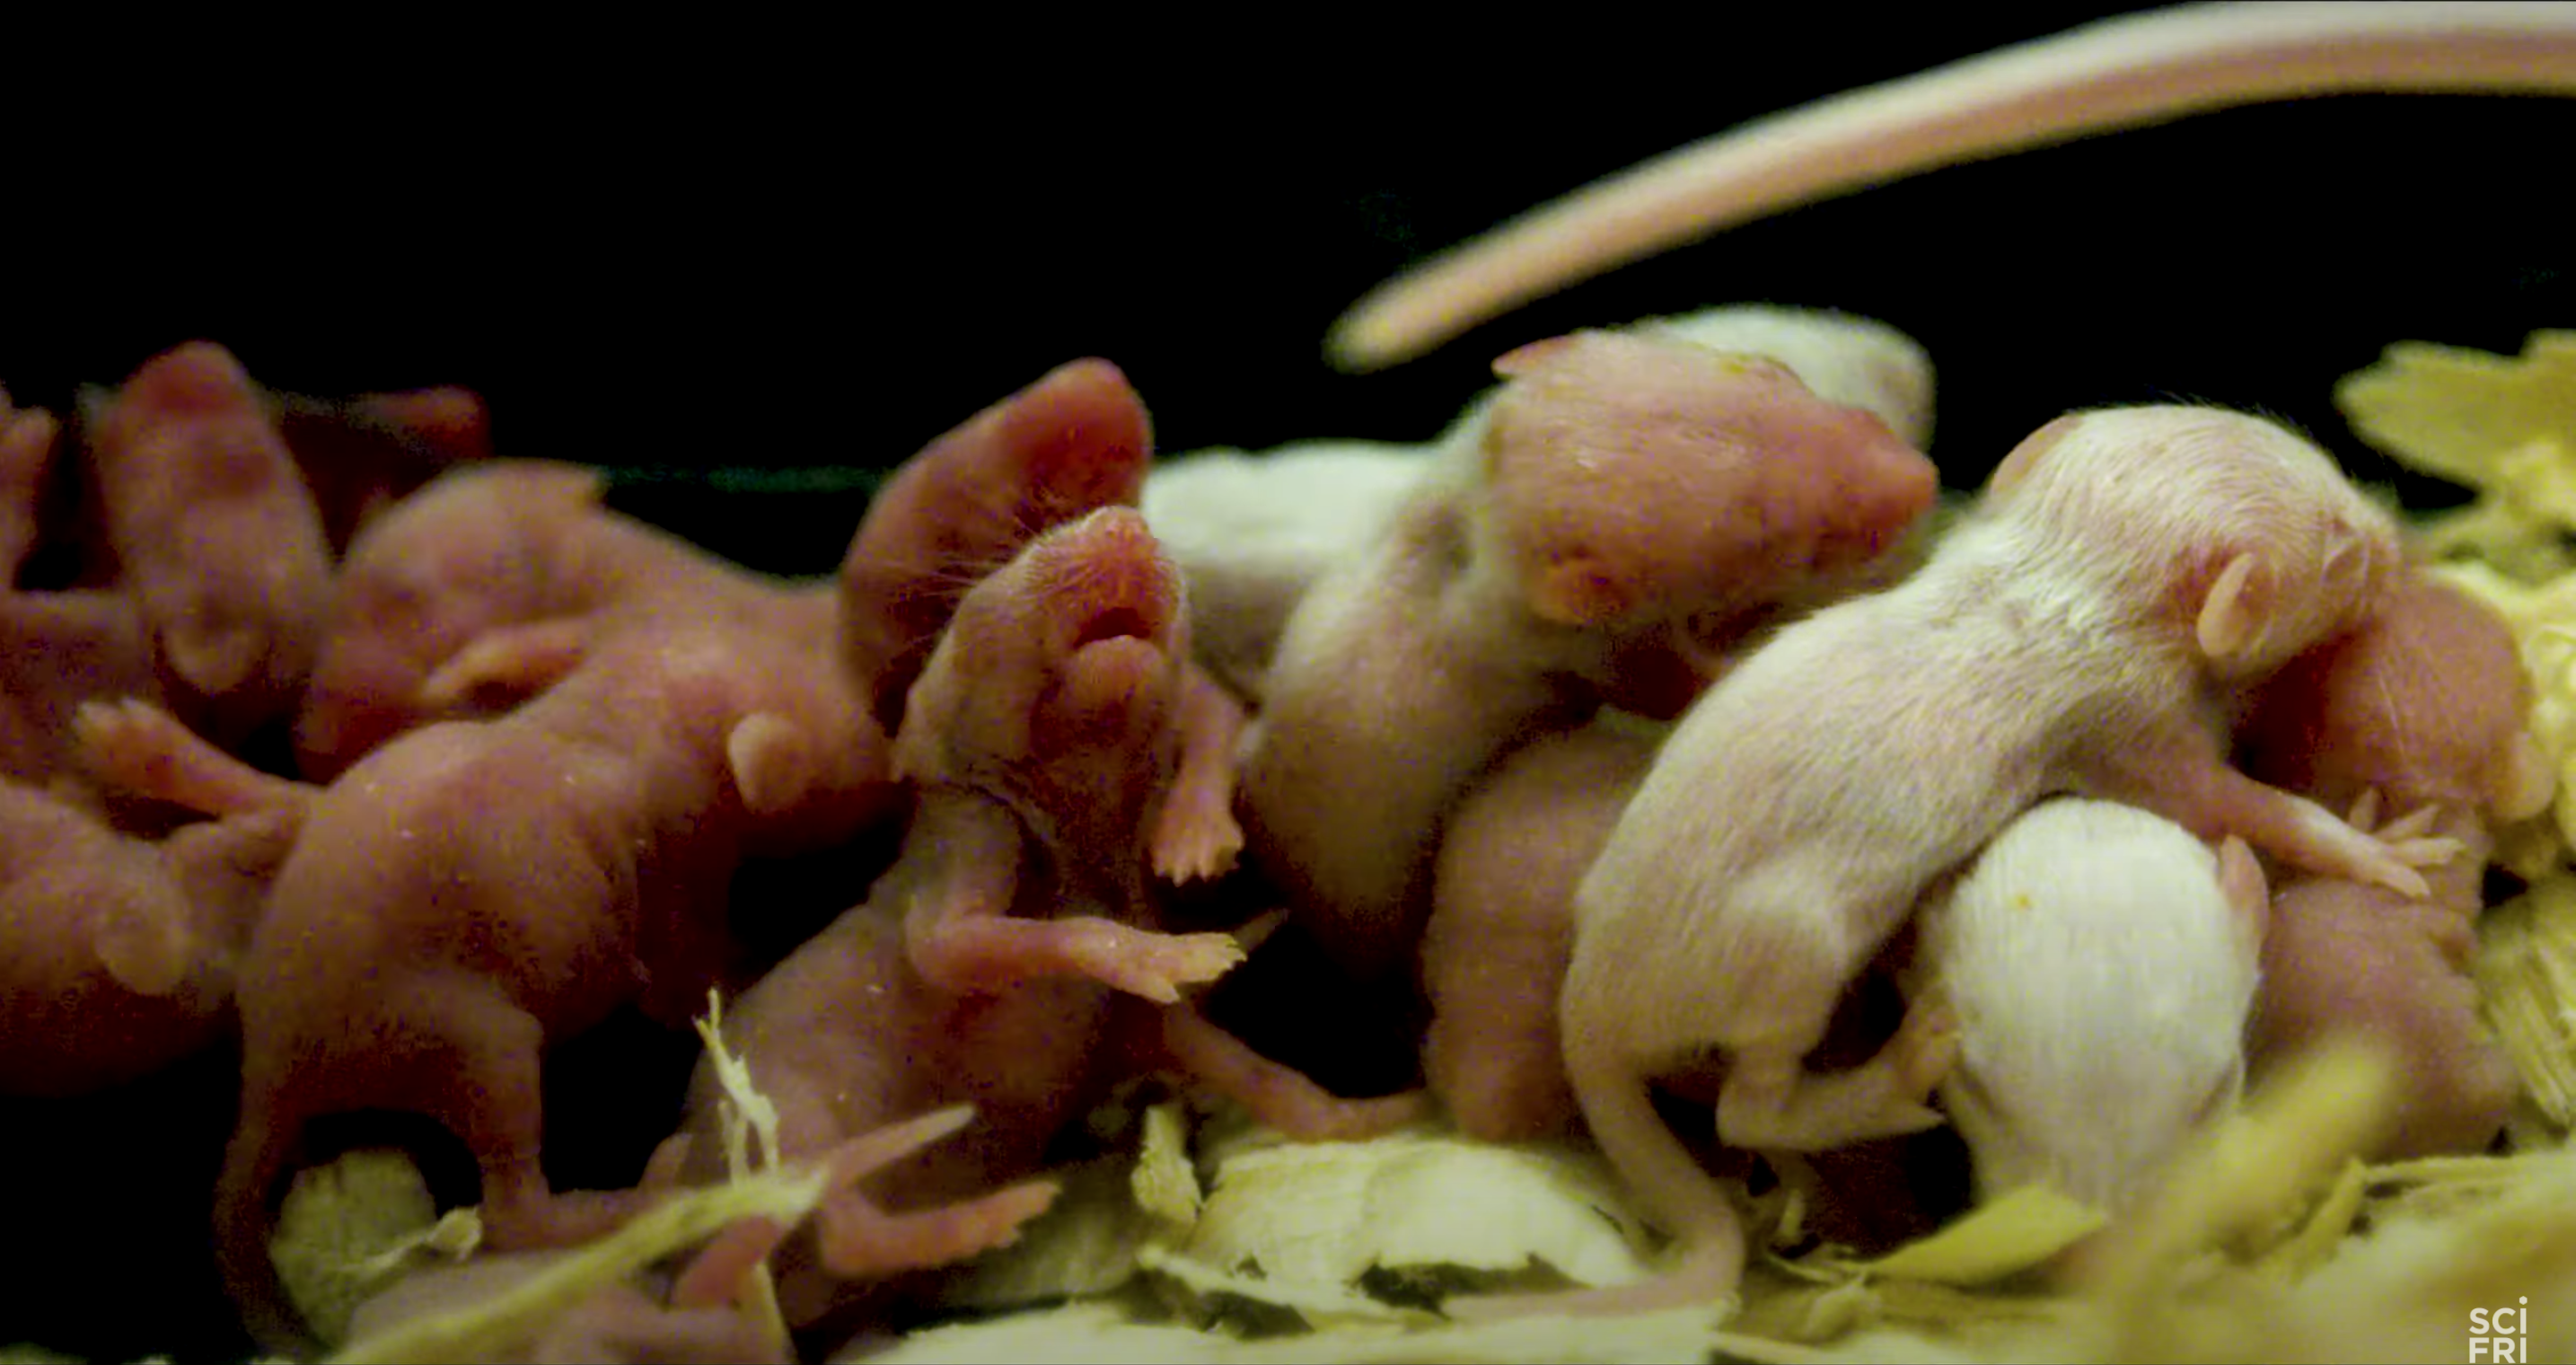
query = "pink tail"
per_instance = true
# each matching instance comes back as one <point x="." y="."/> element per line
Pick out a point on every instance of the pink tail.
<point x="244" y="1221"/>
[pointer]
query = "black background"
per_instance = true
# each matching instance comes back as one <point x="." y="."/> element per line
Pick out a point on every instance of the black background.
<point x="745" y="248"/>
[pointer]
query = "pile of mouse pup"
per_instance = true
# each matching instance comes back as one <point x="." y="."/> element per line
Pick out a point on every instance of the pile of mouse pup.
<point x="1651" y="760"/>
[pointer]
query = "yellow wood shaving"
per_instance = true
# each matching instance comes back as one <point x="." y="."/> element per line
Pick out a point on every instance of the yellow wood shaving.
<point x="1105" y="1334"/>
<point x="347" y="1229"/>
<point x="1811" y="1314"/>
<point x="2019" y="1231"/>
<point x="1321" y="1305"/>
<point x="743" y="1108"/>
<point x="26" y="1353"/>
<point x="1084" y="1244"/>
<point x="2494" y="423"/>
<point x="1835" y="1312"/>
<point x="455" y="1236"/>
<point x="1874" y="1344"/>
<point x="1165" y="1183"/>
<point x="2326" y="1227"/>
<point x="1325" y="1213"/>
<point x="2303" y="1126"/>
<point x="2503" y="426"/>
<point x="507" y="1319"/>
<point x="2526" y="974"/>
<point x="1682" y="1334"/>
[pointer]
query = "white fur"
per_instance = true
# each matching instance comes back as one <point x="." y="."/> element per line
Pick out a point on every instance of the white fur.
<point x="1802" y="807"/>
<point x="1843" y="359"/>
<point x="2102" y="978"/>
<point x="1253" y="532"/>
<point x="1804" y="803"/>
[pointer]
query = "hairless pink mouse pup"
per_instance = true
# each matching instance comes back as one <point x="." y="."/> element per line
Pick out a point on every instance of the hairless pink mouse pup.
<point x="1047" y="731"/>
<point x="1502" y="927"/>
<point x="2118" y="73"/>
<point x="472" y="889"/>
<point x="506" y="543"/>
<point x="1077" y="439"/>
<point x="1625" y="499"/>
<point x="63" y="646"/>
<point x="118" y="953"/>
<point x="484" y="587"/>
<point x="2425" y="704"/>
<point x="1494" y="960"/>
<point x="2128" y="571"/>
<point x="215" y="532"/>
<point x="1253" y="531"/>
<point x="120" y="926"/>
<point x="363" y="455"/>
<point x="525" y="545"/>
<point x="222" y="509"/>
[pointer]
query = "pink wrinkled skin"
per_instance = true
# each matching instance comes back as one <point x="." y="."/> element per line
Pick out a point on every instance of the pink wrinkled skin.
<point x="1502" y="927"/>
<point x="1630" y="507"/>
<point x="2424" y="704"/>
<point x="516" y="558"/>
<point x="1044" y="734"/>
<point x="473" y="889"/>
<point x="216" y="532"/>
<point x="1077" y="439"/>
<point x="636" y="718"/>
<point x="122" y="923"/>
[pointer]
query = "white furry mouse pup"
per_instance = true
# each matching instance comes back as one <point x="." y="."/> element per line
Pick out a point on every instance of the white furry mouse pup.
<point x="2101" y="963"/>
